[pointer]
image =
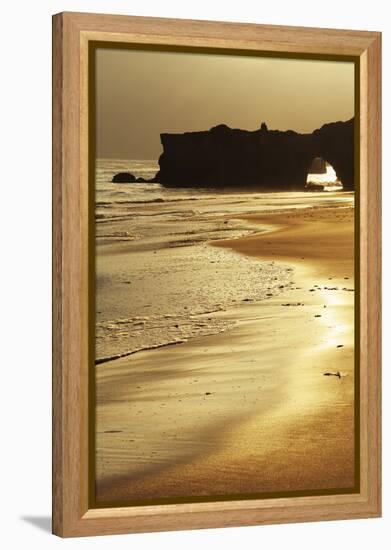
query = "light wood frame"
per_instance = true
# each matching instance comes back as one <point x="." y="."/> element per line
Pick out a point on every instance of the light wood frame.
<point x="71" y="35"/>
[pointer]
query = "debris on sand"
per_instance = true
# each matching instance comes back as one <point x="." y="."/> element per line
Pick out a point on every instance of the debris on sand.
<point x="337" y="374"/>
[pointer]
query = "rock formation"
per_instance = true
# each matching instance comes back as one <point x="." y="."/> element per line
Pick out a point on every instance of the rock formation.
<point x="318" y="166"/>
<point x="264" y="159"/>
<point x="335" y="143"/>
<point x="124" y="177"/>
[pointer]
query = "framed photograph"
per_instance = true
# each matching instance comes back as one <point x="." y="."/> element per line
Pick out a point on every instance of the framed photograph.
<point x="216" y="233"/>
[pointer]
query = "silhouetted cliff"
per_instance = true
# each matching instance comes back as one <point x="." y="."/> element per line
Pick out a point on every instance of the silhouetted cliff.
<point x="267" y="159"/>
<point x="318" y="166"/>
<point x="335" y="143"/>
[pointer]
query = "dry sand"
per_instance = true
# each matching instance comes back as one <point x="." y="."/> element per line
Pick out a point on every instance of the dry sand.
<point x="248" y="410"/>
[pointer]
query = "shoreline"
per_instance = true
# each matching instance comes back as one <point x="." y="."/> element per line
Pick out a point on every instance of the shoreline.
<point x="218" y="411"/>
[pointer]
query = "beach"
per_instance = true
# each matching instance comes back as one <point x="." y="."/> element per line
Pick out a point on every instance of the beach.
<point x="226" y="366"/>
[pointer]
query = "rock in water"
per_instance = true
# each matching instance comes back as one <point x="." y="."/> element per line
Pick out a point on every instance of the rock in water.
<point x="124" y="177"/>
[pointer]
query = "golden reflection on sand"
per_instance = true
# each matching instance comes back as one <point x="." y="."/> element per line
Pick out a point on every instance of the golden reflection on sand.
<point x="248" y="410"/>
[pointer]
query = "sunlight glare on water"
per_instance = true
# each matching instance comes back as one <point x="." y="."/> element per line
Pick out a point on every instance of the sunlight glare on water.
<point x="326" y="179"/>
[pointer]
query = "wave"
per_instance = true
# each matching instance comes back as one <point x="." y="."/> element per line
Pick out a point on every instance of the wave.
<point x="195" y="310"/>
<point x="167" y="200"/>
<point x="132" y="352"/>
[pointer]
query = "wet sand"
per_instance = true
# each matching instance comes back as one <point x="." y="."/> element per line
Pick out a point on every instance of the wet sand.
<point x="249" y="410"/>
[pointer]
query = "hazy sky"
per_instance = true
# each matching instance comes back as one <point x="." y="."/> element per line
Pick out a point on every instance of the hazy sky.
<point x="141" y="94"/>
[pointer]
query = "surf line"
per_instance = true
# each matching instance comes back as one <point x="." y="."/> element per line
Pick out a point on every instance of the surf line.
<point x="101" y="360"/>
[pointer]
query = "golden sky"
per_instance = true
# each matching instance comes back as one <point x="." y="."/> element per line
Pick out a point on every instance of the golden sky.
<point x="140" y="94"/>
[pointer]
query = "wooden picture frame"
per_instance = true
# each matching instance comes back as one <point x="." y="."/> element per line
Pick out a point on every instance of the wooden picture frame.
<point x="72" y="514"/>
